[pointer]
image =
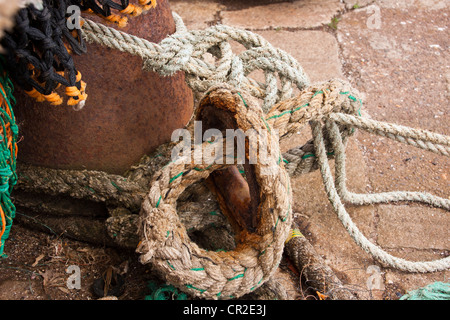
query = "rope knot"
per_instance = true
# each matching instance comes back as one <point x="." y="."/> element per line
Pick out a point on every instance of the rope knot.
<point x="176" y="52"/>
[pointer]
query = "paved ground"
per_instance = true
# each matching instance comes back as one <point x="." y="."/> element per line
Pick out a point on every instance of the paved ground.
<point x="396" y="54"/>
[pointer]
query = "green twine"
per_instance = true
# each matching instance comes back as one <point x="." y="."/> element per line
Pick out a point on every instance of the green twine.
<point x="267" y="125"/>
<point x="245" y="103"/>
<point x="175" y="177"/>
<point x="190" y="286"/>
<point x="434" y="291"/>
<point x="159" y="200"/>
<point x="170" y="265"/>
<point x="8" y="175"/>
<point x="237" y="277"/>
<point x="165" y="292"/>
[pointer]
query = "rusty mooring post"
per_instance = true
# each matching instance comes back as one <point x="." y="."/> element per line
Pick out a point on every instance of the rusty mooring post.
<point x="128" y="113"/>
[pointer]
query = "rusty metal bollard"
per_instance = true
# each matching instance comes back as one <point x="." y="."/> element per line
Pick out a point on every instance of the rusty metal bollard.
<point x="128" y="113"/>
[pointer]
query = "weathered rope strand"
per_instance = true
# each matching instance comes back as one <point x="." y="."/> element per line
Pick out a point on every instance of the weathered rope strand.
<point x="364" y="199"/>
<point x="423" y="139"/>
<point x="219" y="275"/>
<point x="82" y="184"/>
<point x="352" y="229"/>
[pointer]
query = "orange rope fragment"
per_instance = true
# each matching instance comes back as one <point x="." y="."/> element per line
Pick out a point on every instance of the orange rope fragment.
<point x="54" y="99"/>
<point x="132" y="10"/>
<point x="321" y="295"/>
<point x="3" y="217"/>
<point x="148" y="4"/>
<point x="73" y="91"/>
<point x="78" y="77"/>
<point x="121" y="21"/>
<point x="36" y="95"/>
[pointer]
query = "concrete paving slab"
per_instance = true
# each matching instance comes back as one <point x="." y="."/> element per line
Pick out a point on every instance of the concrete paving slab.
<point x="401" y="65"/>
<point x="419" y="4"/>
<point x="197" y="14"/>
<point x="412" y="226"/>
<point x="404" y="78"/>
<point x="317" y="51"/>
<point x="295" y="14"/>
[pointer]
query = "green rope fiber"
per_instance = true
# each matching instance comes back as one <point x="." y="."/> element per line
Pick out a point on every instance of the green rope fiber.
<point x="8" y="174"/>
<point x="165" y="292"/>
<point x="434" y="291"/>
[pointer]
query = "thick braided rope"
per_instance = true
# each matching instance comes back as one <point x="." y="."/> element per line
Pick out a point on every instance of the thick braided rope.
<point x="363" y="199"/>
<point x="313" y="103"/>
<point x="423" y="139"/>
<point x="219" y="275"/>
<point x="344" y="217"/>
<point x="184" y="50"/>
<point x="83" y="184"/>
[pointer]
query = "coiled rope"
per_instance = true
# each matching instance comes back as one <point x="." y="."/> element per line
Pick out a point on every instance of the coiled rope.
<point x="184" y="50"/>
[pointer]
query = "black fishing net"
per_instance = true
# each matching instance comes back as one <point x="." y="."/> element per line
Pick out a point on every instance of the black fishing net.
<point x="38" y="49"/>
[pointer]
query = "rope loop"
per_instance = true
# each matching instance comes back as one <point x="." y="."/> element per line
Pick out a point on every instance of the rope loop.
<point x="165" y="242"/>
<point x="337" y="191"/>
